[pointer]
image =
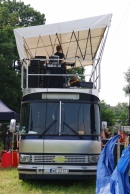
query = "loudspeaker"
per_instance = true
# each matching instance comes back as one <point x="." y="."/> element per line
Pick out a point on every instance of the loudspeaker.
<point x="35" y="67"/>
<point x="53" y="81"/>
<point x="34" y="62"/>
<point x="33" y="81"/>
<point x="41" y="62"/>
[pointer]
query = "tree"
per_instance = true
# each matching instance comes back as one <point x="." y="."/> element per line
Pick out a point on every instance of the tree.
<point x="127" y="79"/>
<point x="107" y="113"/>
<point x="10" y="91"/>
<point x="12" y="15"/>
<point x="17" y="14"/>
<point x="127" y="91"/>
<point x="121" y="111"/>
<point x="112" y="115"/>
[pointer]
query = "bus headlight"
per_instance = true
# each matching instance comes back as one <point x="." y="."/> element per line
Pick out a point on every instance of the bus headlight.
<point x="25" y="158"/>
<point x="93" y="158"/>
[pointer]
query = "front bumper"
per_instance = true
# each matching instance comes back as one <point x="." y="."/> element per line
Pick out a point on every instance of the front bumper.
<point x="55" y="171"/>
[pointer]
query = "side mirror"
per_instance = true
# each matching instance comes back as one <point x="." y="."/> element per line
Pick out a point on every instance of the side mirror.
<point x="12" y="125"/>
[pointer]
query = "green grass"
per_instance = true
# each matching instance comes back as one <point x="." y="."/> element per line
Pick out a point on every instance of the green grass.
<point x="10" y="184"/>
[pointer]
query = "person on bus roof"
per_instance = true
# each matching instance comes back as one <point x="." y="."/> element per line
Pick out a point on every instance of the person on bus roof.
<point x="74" y="81"/>
<point x="59" y="53"/>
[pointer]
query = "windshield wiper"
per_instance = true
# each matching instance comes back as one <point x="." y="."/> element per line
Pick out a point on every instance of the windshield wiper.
<point x="72" y="130"/>
<point x="48" y="128"/>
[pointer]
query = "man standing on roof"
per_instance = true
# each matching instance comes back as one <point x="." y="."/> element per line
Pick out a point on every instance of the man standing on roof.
<point x="61" y="57"/>
<point x="59" y="53"/>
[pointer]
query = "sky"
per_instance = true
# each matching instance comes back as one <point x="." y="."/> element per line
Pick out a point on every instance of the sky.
<point x="116" y="56"/>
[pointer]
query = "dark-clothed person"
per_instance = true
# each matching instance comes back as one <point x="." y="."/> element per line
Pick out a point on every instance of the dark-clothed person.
<point x="59" y="53"/>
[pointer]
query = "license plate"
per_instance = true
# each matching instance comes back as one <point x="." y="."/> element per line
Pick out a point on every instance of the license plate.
<point x="59" y="171"/>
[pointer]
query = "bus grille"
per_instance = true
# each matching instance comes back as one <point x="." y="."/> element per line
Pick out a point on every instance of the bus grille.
<point x="63" y="159"/>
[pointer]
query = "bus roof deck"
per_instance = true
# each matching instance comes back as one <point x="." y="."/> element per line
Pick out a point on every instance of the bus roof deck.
<point x="82" y="42"/>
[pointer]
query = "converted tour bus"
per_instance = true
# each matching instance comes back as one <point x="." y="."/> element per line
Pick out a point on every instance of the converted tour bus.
<point x="59" y="134"/>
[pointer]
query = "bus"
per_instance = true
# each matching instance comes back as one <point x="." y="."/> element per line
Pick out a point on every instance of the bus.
<point x="60" y="129"/>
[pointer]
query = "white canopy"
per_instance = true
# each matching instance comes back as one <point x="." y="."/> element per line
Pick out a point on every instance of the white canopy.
<point x="80" y="39"/>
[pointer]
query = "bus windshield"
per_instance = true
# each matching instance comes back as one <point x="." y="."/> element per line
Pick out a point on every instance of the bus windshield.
<point x="64" y="118"/>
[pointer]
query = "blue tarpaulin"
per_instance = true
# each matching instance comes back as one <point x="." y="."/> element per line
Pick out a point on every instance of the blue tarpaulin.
<point x="110" y="181"/>
<point x="105" y="167"/>
<point x="119" y="183"/>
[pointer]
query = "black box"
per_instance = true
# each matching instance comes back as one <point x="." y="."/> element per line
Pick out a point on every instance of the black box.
<point x="86" y="84"/>
<point x="53" y="81"/>
<point x="33" y="81"/>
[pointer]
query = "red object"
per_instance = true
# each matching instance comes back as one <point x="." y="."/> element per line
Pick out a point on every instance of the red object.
<point x="122" y="137"/>
<point x="8" y="161"/>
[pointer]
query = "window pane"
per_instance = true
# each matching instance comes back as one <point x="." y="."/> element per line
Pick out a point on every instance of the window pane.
<point x="76" y="118"/>
<point x="40" y="117"/>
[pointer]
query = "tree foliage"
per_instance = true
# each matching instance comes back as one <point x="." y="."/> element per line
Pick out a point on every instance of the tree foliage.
<point x="127" y="79"/>
<point x="77" y="70"/>
<point x="12" y="15"/>
<point x="17" y="14"/>
<point x="10" y="91"/>
<point x="121" y="111"/>
<point x="107" y="113"/>
<point x="112" y="114"/>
